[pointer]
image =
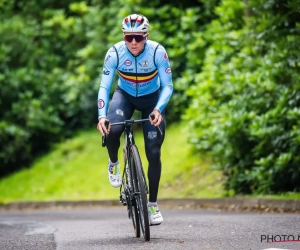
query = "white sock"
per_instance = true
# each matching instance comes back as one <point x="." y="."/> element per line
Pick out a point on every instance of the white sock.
<point x="113" y="164"/>
<point x="152" y="204"/>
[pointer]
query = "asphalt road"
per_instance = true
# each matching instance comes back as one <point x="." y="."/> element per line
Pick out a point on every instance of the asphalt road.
<point x="109" y="228"/>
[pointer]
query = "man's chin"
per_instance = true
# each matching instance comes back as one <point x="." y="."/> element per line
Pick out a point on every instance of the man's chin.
<point x="135" y="52"/>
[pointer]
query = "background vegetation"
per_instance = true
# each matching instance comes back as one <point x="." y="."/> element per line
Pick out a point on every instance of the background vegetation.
<point x="77" y="170"/>
<point x="235" y="67"/>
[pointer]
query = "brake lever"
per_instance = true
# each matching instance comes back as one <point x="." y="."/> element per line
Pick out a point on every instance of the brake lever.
<point x="106" y="123"/>
<point x="158" y="127"/>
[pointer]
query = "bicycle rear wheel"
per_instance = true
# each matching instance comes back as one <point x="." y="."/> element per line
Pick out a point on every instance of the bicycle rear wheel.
<point x="140" y="184"/>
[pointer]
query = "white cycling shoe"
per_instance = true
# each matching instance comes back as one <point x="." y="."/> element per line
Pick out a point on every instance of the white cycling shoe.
<point x="114" y="175"/>
<point x="155" y="217"/>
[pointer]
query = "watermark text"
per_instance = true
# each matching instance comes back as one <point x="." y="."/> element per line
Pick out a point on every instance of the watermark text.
<point x="272" y="238"/>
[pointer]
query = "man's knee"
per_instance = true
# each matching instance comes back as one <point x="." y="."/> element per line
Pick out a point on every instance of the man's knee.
<point x="153" y="150"/>
<point x="115" y="132"/>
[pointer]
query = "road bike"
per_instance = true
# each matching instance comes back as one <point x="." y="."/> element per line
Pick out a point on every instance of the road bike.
<point x="134" y="188"/>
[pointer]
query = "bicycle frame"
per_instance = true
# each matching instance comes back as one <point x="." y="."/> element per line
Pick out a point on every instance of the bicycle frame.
<point x="134" y="188"/>
<point x="129" y="141"/>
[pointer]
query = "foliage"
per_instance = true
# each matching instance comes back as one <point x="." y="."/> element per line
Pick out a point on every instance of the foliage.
<point x="49" y="67"/>
<point x="51" y="60"/>
<point x="248" y="110"/>
<point x="235" y="66"/>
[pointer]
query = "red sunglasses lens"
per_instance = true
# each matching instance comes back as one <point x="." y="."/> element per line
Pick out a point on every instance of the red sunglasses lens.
<point x="137" y="38"/>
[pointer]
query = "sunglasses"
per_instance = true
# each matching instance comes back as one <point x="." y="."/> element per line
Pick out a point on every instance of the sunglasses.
<point x="137" y="38"/>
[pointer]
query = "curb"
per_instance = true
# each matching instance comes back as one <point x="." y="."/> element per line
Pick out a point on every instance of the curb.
<point x="237" y="204"/>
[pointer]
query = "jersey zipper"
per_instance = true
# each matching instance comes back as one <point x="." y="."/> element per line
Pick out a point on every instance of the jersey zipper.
<point x="136" y="80"/>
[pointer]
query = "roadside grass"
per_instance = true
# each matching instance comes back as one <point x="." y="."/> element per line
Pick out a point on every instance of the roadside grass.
<point x="77" y="170"/>
<point x="288" y="196"/>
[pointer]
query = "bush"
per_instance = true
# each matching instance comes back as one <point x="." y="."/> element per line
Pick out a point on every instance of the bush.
<point x="248" y="96"/>
<point x="49" y="67"/>
<point x="52" y="54"/>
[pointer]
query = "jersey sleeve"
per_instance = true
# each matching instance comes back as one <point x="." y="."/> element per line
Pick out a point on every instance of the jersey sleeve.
<point x="165" y="77"/>
<point x="109" y="68"/>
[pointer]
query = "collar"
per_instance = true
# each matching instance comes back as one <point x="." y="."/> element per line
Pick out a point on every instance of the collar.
<point x="138" y="53"/>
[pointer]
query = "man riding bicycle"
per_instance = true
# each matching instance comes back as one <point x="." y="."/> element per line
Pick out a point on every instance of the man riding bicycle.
<point x="144" y="84"/>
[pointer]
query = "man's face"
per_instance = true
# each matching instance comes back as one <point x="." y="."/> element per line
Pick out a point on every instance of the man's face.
<point x="135" y="42"/>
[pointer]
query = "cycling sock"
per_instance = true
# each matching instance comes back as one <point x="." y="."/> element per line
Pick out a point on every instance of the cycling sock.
<point x="113" y="164"/>
<point x="152" y="204"/>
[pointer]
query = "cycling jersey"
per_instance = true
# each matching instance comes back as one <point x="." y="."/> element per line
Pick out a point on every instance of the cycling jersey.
<point x="138" y="75"/>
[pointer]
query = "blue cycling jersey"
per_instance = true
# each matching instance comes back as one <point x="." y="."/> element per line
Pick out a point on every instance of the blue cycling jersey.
<point x="138" y="75"/>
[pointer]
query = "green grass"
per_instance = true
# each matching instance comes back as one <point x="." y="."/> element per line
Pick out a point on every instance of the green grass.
<point x="288" y="196"/>
<point x="77" y="170"/>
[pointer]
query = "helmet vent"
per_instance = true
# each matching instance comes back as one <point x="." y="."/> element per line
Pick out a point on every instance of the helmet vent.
<point x="135" y="23"/>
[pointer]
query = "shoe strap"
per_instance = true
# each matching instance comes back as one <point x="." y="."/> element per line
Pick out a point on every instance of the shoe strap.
<point x="114" y="169"/>
<point x="153" y="210"/>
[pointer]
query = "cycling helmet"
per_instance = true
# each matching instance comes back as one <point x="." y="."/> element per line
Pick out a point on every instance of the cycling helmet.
<point x="135" y="23"/>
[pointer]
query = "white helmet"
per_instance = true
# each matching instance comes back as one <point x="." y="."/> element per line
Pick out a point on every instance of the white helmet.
<point x="135" y="23"/>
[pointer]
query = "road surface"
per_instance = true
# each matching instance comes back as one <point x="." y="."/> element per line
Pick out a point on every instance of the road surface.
<point x="109" y="228"/>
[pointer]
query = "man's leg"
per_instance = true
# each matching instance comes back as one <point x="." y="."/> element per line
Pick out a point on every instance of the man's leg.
<point x="153" y="142"/>
<point x="119" y="110"/>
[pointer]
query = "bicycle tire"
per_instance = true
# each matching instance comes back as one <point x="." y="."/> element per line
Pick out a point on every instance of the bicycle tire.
<point x="132" y="206"/>
<point x="139" y="184"/>
<point x="135" y="221"/>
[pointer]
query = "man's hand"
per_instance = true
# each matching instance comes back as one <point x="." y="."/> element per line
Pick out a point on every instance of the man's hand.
<point x="101" y="126"/>
<point x="157" y="119"/>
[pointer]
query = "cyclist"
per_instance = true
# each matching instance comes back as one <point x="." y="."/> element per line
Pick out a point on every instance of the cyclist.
<point x="144" y="84"/>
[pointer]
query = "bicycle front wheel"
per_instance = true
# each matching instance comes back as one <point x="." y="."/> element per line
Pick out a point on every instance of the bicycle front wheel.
<point x="131" y="203"/>
<point x="139" y="184"/>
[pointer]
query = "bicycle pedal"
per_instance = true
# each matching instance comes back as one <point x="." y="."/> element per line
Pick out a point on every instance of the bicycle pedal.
<point x="124" y="203"/>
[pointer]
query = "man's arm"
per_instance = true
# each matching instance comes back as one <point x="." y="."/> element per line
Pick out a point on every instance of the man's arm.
<point x="109" y="68"/>
<point x="165" y="76"/>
